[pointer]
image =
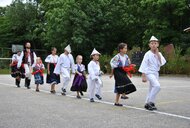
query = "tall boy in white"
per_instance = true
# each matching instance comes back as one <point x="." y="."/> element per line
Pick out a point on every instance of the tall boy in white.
<point x="64" y="65"/>
<point x="149" y="68"/>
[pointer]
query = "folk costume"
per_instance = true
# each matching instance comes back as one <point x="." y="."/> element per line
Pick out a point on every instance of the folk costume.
<point x="38" y="73"/>
<point x="150" y="66"/>
<point x="52" y="78"/>
<point x="94" y="80"/>
<point x="28" y="59"/>
<point x="79" y="82"/>
<point x="123" y="84"/>
<point x="64" y="65"/>
<point x="16" y="72"/>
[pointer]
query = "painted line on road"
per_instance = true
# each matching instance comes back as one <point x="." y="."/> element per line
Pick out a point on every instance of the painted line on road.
<point x="110" y="103"/>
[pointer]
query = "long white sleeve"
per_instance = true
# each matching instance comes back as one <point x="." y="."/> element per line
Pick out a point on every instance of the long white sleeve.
<point x="144" y="64"/>
<point x="57" y="69"/>
<point x="163" y="60"/>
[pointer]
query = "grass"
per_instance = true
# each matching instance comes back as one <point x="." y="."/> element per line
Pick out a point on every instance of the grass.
<point x="4" y="71"/>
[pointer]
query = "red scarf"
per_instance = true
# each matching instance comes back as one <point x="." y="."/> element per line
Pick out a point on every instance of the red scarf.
<point x="129" y="69"/>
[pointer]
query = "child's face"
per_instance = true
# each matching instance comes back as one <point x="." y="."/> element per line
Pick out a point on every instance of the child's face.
<point x="96" y="57"/>
<point x="79" y="59"/>
<point x="54" y="51"/>
<point x="153" y="45"/>
<point x="38" y="61"/>
<point x="18" y="53"/>
<point x="124" y="50"/>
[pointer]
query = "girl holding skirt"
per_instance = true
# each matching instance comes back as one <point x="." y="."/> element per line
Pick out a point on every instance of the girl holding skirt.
<point x="79" y="82"/>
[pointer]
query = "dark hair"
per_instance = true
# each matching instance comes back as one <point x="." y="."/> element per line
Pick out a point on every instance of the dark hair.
<point x="121" y="46"/>
<point x="52" y="48"/>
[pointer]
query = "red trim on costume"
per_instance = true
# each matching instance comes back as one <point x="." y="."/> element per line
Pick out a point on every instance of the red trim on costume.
<point x="38" y="71"/>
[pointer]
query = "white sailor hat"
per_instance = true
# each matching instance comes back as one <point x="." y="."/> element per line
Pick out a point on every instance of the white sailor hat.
<point x="68" y="48"/>
<point x="153" y="38"/>
<point x="94" y="52"/>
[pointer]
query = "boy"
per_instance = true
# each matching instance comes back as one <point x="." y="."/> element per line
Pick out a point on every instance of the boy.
<point x="149" y="68"/>
<point x="94" y="79"/>
<point x="64" y="65"/>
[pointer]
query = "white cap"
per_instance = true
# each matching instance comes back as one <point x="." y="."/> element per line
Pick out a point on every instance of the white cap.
<point x="153" y="38"/>
<point x="95" y="52"/>
<point x="68" y="48"/>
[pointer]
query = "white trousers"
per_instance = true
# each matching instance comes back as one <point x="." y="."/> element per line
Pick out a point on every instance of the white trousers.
<point x="28" y="71"/>
<point x="154" y="87"/>
<point x="66" y="77"/>
<point x="94" y="88"/>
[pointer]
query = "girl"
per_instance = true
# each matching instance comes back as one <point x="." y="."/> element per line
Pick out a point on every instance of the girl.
<point x="52" y="78"/>
<point x="94" y="80"/>
<point x="79" y="82"/>
<point x="123" y="84"/>
<point x="149" y="68"/>
<point x="38" y="73"/>
<point x="15" y="72"/>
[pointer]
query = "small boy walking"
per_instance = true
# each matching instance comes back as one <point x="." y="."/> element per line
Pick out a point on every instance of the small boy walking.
<point x="94" y="79"/>
<point x="149" y="68"/>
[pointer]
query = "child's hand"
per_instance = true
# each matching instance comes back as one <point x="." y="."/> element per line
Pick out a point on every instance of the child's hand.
<point x="111" y="76"/>
<point x="144" y="78"/>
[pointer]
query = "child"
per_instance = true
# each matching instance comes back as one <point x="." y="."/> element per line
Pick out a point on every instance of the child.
<point x="15" y="72"/>
<point x="38" y="73"/>
<point x="123" y="84"/>
<point x="52" y="78"/>
<point x="94" y="80"/>
<point x="149" y="68"/>
<point x="79" y="82"/>
<point x="64" y="65"/>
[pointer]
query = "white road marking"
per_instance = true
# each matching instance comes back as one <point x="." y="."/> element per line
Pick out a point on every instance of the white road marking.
<point x="110" y="103"/>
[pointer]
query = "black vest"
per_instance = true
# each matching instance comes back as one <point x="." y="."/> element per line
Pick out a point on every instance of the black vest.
<point x="25" y="58"/>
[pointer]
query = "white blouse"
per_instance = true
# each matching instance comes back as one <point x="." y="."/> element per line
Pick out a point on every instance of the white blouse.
<point x="51" y="59"/>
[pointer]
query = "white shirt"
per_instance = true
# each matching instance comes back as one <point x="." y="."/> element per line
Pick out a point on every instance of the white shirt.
<point x="64" y="61"/>
<point x="94" y="70"/>
<point x="151" y="63"/>
<point x="15" y="57"/>
<point x="51" y="58"/>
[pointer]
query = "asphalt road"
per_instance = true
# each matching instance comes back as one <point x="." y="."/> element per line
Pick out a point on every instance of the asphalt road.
<point x="22" y="108"/>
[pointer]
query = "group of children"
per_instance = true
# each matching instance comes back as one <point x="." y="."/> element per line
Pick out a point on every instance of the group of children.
<point x="64" y="64"/>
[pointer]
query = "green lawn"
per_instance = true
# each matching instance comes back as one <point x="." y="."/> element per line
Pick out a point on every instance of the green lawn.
<point x="4" y="71"/>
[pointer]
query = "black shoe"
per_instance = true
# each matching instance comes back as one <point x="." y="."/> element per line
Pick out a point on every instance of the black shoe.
<point x="91" y="100"/>
<point x="53" y="91"/>
<point x="26" y="82"/>
<point x="124" y="97"/>
<point x="153" y="105"/>
<point x="63" y="90"/>
<point x="37" y="90"/>
<point x="28" y="87"/>
<point x="98" y="96"/>
<point x="148" y="107"/>
<point x="118" y="104"/>
<point x="78" y="97"/>
<point x="81" y="93"/>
